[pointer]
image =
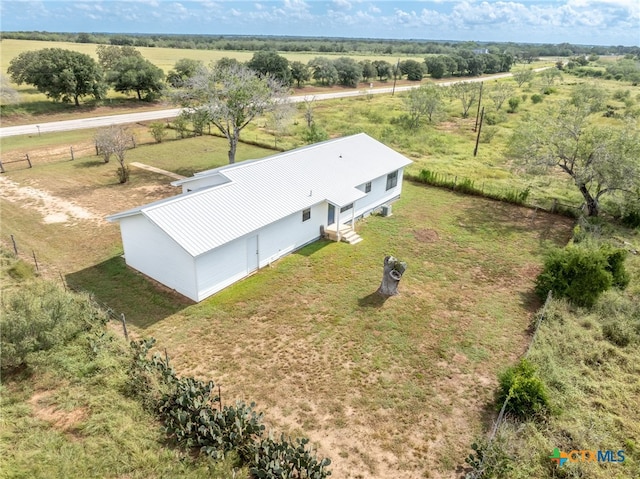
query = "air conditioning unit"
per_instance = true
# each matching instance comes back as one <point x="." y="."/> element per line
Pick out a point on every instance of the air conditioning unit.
<point x="386" y="210"/>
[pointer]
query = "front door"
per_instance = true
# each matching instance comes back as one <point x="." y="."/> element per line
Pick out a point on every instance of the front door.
<point x="252" y="254"/>
<point x="332" y="215"/>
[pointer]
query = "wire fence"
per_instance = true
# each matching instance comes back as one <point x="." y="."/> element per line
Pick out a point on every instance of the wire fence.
<point x="485" y="461"/>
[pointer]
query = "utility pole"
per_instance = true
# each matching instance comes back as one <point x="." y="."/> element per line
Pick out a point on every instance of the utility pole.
<point x="395" y="77"/>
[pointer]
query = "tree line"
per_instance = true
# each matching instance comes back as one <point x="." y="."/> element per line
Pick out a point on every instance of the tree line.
<point x="321" y="45"/>
<point x="67" y="76"/>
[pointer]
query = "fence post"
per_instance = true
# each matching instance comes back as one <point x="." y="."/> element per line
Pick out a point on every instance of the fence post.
<point x="72" y="157"/>
<point x="29" y="161"/>
<point x="35" y="261"/>
<point x="1" y="167"/>
<point x="124" y="326"/>
<point x="15" y="247"/>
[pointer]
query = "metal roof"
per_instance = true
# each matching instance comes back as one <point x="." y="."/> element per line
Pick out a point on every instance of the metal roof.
<point x="263" y="191"/>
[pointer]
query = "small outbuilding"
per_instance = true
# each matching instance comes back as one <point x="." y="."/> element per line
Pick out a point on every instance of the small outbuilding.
<point x="230" y="221"/>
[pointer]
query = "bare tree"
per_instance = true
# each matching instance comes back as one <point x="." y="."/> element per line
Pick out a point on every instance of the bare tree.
<point x="499" y="93"/>
<point x="8" y="95"/>
<point x="523" y="76"/>
<point x="115" y="140"/>
<point x="280" y="118"/>
<point x="467" y="93"/>
<point x="424" y="101"/>
<point x="232" y="96"/>
<point x="308" y="112"/>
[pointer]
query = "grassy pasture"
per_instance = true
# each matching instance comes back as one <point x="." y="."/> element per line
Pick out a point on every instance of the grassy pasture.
<point x="401" y="385"/>
<point x="164" y="58"/>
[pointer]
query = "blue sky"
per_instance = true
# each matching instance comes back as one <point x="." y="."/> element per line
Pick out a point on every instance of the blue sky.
<point x="600" y="22"/>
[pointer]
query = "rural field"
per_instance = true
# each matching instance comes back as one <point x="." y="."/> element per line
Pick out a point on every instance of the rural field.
<point x="379" y="386"/>
<point x="386" y="388"/>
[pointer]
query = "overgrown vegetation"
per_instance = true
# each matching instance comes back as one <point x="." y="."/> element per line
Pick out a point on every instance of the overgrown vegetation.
<point x="196" y="419"/>
<point x="581" y="273"/>
<point x="584" y="362"/>
<point x="53" y="336"/>
<point x="63" y="403"/>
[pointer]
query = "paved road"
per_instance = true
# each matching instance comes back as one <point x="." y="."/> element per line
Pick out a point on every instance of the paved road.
<point x="100" y="121"/>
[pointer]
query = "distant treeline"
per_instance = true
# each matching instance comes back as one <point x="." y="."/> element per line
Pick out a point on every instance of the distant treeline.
<point x="322" y="45"/>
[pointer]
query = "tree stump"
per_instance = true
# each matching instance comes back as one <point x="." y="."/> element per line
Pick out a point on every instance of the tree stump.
<point x="391" y="275"/>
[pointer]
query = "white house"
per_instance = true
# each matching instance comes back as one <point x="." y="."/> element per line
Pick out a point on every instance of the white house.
<point x="230" y="221"/>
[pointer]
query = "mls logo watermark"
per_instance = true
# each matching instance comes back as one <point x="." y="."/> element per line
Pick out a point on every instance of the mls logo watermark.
<point x="583" y="455"/>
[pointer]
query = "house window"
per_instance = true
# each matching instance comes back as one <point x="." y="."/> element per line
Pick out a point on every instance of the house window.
<point x="392" y="180"/>
<point x="345" y="208"/>
<point x="306" y="214"/>
<point x="367" y="187"/>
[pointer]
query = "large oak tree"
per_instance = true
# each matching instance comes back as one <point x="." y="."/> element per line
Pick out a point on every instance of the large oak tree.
<point x="63" y="75"/>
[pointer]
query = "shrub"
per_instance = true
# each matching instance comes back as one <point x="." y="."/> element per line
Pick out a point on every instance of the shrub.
<point x="487" y="134"/>
<point x="158" y="131"/>
<point x="615" y="260"/>
<point x="619" y="332"/>
<point x="39" y="316"/>
<point x="514" y="103"/>
<point x="314" y="134"/>
<point x="576" y="273"/>
<point x="536" y="98"/>
<point x="494" y="117"/>
<point x="526" y="393"/>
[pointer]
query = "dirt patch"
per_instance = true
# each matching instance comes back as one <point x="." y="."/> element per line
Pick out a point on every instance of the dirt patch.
<point x="426" y="235"/>
<point x="45" y="409"/>
<point x="52" y="208"/>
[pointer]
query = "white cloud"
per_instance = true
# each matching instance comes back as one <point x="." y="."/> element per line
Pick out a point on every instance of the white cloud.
<point x="342" y="4"/>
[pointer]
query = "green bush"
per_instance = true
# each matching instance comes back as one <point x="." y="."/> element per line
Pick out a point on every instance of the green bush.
<point x="39" y="316"/>
<point x="615" y="261"/>
<point x="619" y="332"/>
<point x="158" y="131"/>
<point x="514" y="103"/>
<point x="579" y="274"/>
<point x="314" y="134"/>
<point x="526" y="393"/>
<point x="495" y="117"/>
<point x="536" y="98"/>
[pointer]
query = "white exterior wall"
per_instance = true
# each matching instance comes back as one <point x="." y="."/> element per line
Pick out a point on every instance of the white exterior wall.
<point x="221" y="267"/>
<point x="202" y="182"/>
<point x="148" y="250"/>
<point x="229" y="263"/>
<point x="290" y="233"/>
<point x="378" y="196"/>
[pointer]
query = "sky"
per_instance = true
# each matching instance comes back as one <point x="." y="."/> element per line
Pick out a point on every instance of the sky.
<point x="587" y="22"/>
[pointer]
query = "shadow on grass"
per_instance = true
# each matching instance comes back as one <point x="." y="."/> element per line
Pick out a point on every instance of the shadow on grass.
<point x="121" y="289"/>
<point x="313" y="247"/>
<point x="88" y="163"/>
<point x="374" y="300"/>
<point x="505" y="219"/>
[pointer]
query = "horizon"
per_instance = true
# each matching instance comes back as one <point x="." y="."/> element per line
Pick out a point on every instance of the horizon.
<point x="577" y="22"/>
